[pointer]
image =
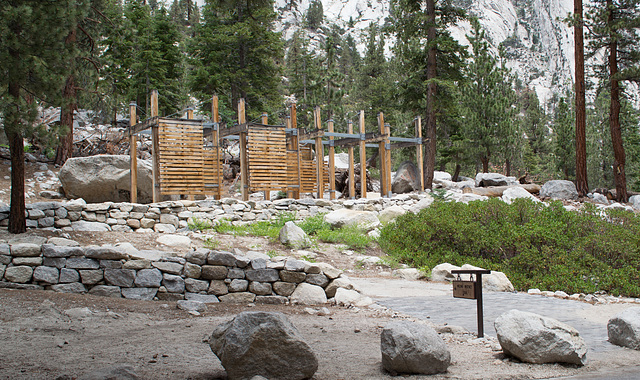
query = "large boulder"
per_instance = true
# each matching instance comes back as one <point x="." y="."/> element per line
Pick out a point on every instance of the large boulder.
<point x="559" y="189"/>
<point x="635" y="201"/>
<point x="517" y="192"/>
<point x="105" y="178"/>
<point x="493" y="282"/>
<point x="422" y="204"/>
<point x="257" y="343"/>
<point x="407" y="178"/>
<point x="442" y="272"/>
<point x="533" y="338"/>
<point x="624" y="328"/>
<point x="294" y="236"/>
<point x="389" y="214"/>
<point x="409" y="347"/>
<point x="344" y="217"/>
<point x="494" y="179"/>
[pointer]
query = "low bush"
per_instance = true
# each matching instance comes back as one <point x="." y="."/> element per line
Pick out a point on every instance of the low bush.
<point x="536" y="245"/>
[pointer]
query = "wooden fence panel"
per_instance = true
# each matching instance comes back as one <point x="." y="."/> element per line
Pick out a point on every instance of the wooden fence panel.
<point x="267" y="150"/>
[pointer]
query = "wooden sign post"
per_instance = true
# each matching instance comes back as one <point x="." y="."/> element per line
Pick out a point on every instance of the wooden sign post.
<point x="471" y="289"/>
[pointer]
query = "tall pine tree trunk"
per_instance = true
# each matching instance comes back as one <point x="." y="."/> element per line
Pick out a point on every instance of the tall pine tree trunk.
<point x="17" y="219"/>
<point x="582" y="184"/>
<point x="614" y="117"/>
<point x="430" y="156"/>
<point x="65" y="147"/>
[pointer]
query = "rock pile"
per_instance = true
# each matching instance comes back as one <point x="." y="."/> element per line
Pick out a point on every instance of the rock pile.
<point x="202" y="275"/>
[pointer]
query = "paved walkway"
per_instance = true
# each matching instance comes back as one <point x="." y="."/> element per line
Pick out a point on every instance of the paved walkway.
<point x="434" y="301"/>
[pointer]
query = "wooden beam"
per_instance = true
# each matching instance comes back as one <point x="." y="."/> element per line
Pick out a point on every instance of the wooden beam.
<point x="352" y="185"/>
<point x="387" y="131"/>
<point x="419" y="152"/>
<point x="296" y="143"/>
<point x="215" y="139"/>
<point x="332" y="164"/>
<point x="363" y="159"/>
<point x="155" y="149"/>
<point x="244" y="162"/>
<point x="382" y="154"/>
<point x="139" y="127"/>
<point x="319" y="153"/>
<point x="189" y="115"/>
<point x="235" y="130"/>
<point x="265" y="120"/>
<point x="313" y="134"/>
<point x="133" y="154"/>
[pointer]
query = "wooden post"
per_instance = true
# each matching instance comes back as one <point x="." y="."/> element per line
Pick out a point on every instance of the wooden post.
<point x="155" y="148"/>
<point x="382" y="152"/>
<point x="352" y="185"/>
<point x="419" y="152"/>
<point x="363" y="158"/>
<point x="332" y="164"/>
<point x="244" y="163"/>
<point x="215" y="140"/>
<point x="133" y="153"/>
<point x="189" y="115"/>
<point x="265" y="120"/>
<point x="319" y="153"/>
<point x="387" y="130"/>
<point x="295" y="141"/>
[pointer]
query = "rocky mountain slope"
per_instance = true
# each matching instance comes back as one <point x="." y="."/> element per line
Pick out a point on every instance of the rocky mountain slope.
<point x="538" y="44"/>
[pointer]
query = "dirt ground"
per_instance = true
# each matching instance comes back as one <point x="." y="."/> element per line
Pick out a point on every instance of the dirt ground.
<point x="47" y="335"/>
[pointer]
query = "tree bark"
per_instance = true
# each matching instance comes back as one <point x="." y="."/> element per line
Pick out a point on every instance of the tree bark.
<point x="430" y="154"/>
<point x="485" y="163"/>
<point x="65" y="147"/>
<point x="17" y="218"/>
<point x="456" y="173"/>
<point x="582" y="184"/>
<point x="614" y="117"/>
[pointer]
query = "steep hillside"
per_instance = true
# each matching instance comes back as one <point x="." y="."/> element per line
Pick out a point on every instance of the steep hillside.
<point x="538" y="44"/>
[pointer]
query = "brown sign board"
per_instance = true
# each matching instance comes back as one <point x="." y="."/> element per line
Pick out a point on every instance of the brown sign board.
<point x="464" y="289"/>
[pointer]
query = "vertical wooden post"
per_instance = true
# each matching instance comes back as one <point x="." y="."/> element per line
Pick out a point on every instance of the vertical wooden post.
<point x="155" y="148"/>
<point x="387" y="130"/>
<point x="215" y="140"/>
<point x="244" y="163"/>
<point x="352" y="185"/>
<point x="332" y="164"/>
<point x="363" y="158"/>
<point x="265" y="120"/>
<point x="133" y="153"/>
<point x="382" y="152"/>
<point x="419" y="152"/>
<point x="189" y="115"/>
<point x="319" y="153"/>
<point x="295" y="141"/>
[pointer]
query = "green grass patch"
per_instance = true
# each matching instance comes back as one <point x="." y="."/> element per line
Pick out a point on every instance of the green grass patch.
<point x="537" y="246"/>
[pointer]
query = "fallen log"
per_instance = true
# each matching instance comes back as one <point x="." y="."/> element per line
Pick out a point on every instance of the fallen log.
<point x="497" y="191"/>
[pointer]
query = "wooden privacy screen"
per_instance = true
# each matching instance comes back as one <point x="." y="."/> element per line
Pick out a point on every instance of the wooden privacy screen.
<point x="186" y="166"/>
<point x="308" y="173"/>
<point x="267" y="150"/>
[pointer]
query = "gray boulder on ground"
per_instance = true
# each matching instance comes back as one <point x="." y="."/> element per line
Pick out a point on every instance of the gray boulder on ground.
<point x="294" y="236"/>
<point x="409" y="347"/>
<point x="537" y="339"/>
<point x="493" y="282"/>
<point x="494" y="179"/>
<point x="407" y="178"/>
<point x="307" y="294"/>
<point x="635" y="201"/>
<point x="389" y="214"/>
<point x="517" y="192"/>
<point x="442" y="272"/>
<point x="105" y="178"/>
<point x="365" y="220"/>
<point x="559" y="189"/>
<point x="624" y="328"/>
<point x="257" y="343"/>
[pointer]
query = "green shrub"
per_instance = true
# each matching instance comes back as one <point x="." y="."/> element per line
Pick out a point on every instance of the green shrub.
<point x="536" y="245"/>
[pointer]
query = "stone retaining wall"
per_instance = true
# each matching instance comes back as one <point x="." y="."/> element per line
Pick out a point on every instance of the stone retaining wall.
<point x="167" y="217"/>
<point x="202" y="275"/>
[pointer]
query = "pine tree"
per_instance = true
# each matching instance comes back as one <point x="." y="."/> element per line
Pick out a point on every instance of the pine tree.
<point x="428" y="65"/>
<point x="488" y="99"/>
<point x="536" y="131"/>
<point x="615" y="29"/>
<point x="33" y="55"/>
<point x="235" y="54"/>
<point x="315" y="14"/>
<point x="564" y="137"/>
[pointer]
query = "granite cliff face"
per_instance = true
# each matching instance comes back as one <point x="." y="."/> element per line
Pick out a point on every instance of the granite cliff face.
<point x="538" y="44"/>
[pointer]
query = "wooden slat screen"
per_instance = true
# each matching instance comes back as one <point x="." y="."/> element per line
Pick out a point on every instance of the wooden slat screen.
<point x="185" y="166"/>
<point x="267" y="150"/>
